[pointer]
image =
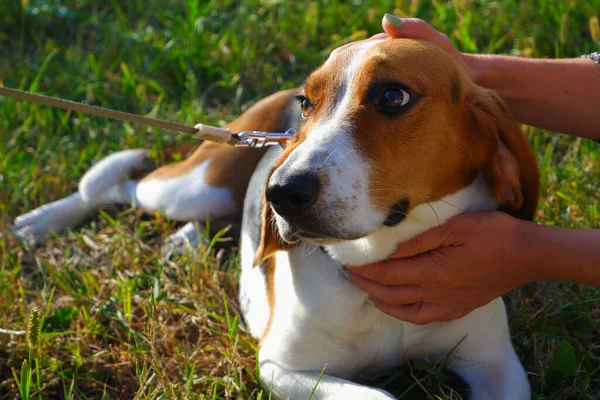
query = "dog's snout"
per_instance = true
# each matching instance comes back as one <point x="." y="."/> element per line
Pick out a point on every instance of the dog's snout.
<point x="294" y="195"/>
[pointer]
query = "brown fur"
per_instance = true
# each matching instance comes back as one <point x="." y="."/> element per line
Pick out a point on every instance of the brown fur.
<point x="232" y="167"/>
<point x="419" y="154"/>
<point x="511" y="168"/>
<point x="269" y="271"/>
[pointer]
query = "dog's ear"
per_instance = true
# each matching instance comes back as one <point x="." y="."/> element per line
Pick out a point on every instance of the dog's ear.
<point x="270" y="240"/>
<point x="509" y="164"/>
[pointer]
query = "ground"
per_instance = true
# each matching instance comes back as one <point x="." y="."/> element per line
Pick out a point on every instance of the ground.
<point x="119" y="321"/>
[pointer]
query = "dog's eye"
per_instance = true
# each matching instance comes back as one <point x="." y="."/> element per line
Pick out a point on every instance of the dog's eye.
<point x="394" y="99"/>
<point x="305" y="106"/>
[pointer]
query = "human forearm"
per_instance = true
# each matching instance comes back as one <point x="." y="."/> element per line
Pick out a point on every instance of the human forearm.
<point x="560" y="95"/>
<point x="555" y="253"/>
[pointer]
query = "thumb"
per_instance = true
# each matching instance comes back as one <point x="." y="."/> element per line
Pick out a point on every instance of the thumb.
<point x="427" y="241"/>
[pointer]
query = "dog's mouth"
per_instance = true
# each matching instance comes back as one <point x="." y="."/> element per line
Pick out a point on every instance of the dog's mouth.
<point x="293" y="231"/>
<point x="317" y="231"/>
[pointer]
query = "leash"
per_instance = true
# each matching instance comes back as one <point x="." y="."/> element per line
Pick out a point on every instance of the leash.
<point x="200" y="131"/>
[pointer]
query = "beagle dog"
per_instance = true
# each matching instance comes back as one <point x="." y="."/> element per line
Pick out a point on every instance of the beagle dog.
<point x="394" y="139"/>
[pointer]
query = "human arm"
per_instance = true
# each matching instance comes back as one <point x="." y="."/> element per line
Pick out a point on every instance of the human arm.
<point x="557" y="253"/>
<point x="562" y="95"/>
<point x="463" y="264"/>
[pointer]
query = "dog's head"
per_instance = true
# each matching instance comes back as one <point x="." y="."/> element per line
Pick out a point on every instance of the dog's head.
<point x="389" y="125"/>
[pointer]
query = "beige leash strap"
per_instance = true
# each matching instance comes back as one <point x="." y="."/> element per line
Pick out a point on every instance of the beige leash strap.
<point x="201" y="131"/>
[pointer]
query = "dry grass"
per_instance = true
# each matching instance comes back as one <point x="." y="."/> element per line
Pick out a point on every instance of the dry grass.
<point x="129" y="323"/>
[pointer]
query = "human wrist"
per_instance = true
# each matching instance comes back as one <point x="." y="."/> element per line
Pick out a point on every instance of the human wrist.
<point x="523" y="261"/>
<point x="557" y="253"/>
<point x="497" y="72"/>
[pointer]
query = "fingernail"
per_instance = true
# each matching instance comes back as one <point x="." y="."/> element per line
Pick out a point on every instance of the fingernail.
<point x="394" y="21"/>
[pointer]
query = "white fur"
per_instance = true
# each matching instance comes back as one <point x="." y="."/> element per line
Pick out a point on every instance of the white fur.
<point x="186" y="197"/>
<point x="253" y="291"/>
<point x="185" y="238"/>
<point x="111" y="171"/>
<point x="107" y="182"/>
<point x="53" y="217"/>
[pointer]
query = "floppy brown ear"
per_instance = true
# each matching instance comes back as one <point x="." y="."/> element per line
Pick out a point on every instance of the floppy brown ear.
<point x="270" y="240"/>
<point x="510" y="166"/>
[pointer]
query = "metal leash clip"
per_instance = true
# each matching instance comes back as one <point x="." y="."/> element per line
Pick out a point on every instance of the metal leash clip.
<point x="262" y="139"/>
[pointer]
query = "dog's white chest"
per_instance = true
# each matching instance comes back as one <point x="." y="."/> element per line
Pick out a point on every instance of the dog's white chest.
<point x="321" y="318"/>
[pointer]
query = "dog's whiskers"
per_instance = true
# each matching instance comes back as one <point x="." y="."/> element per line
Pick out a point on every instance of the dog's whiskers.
<point x="412" y="193"/>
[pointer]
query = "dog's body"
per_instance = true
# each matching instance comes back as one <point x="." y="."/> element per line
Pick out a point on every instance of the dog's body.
<point x="394" y="139"/>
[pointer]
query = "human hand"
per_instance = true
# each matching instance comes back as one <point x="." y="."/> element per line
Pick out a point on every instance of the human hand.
<point x="448" y="271"/>
<point x="415" y="28"/>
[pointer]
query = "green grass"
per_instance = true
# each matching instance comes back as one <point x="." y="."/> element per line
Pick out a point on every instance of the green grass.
<point x="118" y="320"/>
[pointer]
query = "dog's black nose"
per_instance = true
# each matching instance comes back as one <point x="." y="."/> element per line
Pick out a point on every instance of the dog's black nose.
<point x="294" y="195"/>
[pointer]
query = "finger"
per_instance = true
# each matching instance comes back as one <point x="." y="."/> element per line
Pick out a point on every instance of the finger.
<point x="429" y="240"/>
<point x="417" y="313"/>
<point x="396" y="295"/>
<point x="412" y="28"/>
<point x="391" y="272"/>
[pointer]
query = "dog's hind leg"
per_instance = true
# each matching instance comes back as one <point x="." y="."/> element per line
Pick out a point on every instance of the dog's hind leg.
<point x="107" y="182"/>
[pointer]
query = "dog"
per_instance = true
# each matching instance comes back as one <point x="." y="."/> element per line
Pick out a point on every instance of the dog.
<point x="394" y="138"/>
